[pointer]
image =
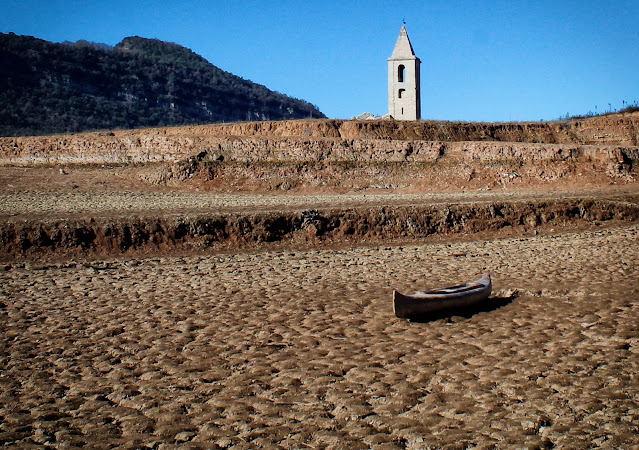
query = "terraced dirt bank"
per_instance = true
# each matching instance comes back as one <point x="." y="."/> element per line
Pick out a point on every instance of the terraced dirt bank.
<point x="230" y="286"/>
<point x="343" y="156"/>
<point x="375" y="166"/>
<point x="372" y="222"/>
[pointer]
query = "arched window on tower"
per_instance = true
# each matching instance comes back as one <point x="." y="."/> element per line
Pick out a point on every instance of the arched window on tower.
<point x="401" y="70"/>
<point x="401" y="93"/>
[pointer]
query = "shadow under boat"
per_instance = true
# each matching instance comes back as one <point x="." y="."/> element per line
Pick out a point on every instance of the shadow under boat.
<point x="488" y="305"/>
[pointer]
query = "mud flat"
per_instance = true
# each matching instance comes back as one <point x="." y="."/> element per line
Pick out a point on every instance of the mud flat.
<point x="301" y="349"/>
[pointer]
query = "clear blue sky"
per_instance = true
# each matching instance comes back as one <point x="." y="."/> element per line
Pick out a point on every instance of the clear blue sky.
<point x="481" y="60"/>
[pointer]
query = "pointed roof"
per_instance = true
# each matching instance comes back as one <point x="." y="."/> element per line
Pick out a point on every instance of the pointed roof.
<point x="403" y="48"/>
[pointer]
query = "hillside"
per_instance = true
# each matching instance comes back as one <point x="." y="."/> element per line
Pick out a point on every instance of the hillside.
<point x="52" y="88"/>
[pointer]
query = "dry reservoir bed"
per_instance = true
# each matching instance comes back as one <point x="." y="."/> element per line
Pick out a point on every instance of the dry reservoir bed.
<point x="301" y="349"/>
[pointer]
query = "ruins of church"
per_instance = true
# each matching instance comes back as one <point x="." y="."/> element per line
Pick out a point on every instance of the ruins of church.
<point x="404" y="100"/>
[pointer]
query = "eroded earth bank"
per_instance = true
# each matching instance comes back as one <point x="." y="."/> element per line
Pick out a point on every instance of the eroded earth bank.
<point x="230" y="286"/>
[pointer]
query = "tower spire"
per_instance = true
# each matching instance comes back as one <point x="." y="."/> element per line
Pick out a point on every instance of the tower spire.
<point x="403" y="47"/>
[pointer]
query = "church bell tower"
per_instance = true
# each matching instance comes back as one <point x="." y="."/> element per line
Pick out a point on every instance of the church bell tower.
<point x="404" y="99"/>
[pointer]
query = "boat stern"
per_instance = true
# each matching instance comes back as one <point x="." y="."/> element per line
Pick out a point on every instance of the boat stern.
<point x="399" y="305"/>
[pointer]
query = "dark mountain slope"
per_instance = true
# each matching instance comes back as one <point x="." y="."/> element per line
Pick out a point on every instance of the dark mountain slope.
<point x="50" y="88"/>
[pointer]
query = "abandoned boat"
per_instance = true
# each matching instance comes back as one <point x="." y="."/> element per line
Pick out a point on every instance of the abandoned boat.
<point x="443" y="299"/>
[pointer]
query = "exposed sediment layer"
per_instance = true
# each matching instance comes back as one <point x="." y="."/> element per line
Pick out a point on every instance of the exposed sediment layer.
<point x="616" y="129"/>
<point x="328" y="139"/>
<point x="353" y="154"/>
<point x="186" y="232"/>
<point x="153" y="148"/>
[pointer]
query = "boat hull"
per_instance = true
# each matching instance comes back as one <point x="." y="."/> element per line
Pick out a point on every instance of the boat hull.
<point x="455" y="298"/>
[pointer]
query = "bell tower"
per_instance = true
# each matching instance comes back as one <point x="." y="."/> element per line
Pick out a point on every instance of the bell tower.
<point x="404" y="99"/>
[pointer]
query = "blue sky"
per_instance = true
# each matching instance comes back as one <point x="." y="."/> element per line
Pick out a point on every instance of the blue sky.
<point x="481" y="60"/>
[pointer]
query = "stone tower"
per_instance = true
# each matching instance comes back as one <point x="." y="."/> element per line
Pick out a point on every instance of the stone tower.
<point x="404" y="99"/>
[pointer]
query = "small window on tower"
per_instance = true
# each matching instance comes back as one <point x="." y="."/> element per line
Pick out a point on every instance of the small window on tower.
<point x="401" y="70"/>
<point x="401" y="93"/>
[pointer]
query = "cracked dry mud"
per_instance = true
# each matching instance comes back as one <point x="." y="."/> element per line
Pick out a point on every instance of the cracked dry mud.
<point x="301" y="349"/>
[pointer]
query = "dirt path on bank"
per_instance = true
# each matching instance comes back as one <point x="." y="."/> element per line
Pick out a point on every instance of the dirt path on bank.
<point x="44" y="193"/>
<point x="51" y="205"/>
<point x="301" y="349"/>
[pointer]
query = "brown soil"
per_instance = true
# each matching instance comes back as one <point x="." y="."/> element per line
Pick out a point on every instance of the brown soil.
<point x="99" y="212"/>
<point x="241" y="295"/>
<point x="301" y="348"/>
<point x="345" y="156"/>
<point x="200" y="231"/>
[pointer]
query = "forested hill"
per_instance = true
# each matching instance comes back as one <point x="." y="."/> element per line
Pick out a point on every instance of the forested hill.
<point x="50" y="88"/>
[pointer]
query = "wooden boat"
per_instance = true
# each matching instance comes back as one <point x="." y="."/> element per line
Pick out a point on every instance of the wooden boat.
<point x="443" y="299"/>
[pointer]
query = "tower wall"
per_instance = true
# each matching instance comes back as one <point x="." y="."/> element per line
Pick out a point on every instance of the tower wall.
<point x="408" y="106"/>
<point x="404" y="96"/>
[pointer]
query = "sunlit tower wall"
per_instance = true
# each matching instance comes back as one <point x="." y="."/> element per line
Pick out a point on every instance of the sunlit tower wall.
<point x="404" y="98"/>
